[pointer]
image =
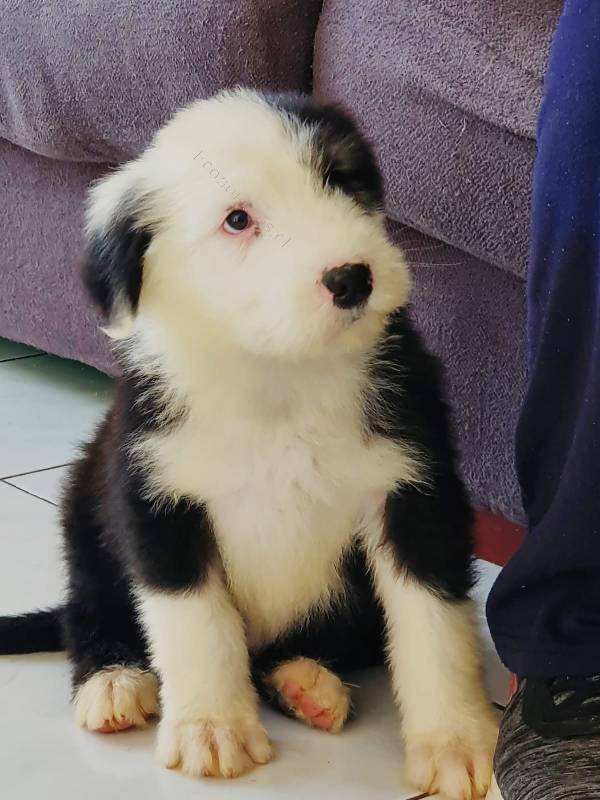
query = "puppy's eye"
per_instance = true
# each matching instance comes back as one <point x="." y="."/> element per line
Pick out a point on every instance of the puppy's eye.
<point x="237" y="221"/>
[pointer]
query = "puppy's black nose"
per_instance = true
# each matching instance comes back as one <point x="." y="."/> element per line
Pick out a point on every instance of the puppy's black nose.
<point x="350" y="285"/>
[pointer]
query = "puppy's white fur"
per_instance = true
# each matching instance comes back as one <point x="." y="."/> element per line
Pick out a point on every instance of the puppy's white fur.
<point x="248" y="291"/>
<point x="271" y="375"/>
<point x="210" y="705"/>
<point x="322" y="688"/>
<point x="286" y="476"/>
<point x="116" y="696"/>
<point x="448" y="727"/>
<point x="249" y="342"/>
<point x="494" y="792"/>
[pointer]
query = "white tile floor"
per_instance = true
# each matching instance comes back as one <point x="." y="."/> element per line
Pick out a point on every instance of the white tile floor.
<point x="47" y="406"/>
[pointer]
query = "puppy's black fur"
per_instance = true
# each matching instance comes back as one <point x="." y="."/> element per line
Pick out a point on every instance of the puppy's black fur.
<point x="344" y="159"/>
<point x="113" y="270"/>
<point x="114" y="535"/>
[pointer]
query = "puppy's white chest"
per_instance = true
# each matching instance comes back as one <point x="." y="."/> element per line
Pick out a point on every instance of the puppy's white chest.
<point x="286" y="487"/>
<point x="282" y="535"/>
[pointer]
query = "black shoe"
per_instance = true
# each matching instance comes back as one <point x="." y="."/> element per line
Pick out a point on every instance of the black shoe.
<point x="549" y="743"/>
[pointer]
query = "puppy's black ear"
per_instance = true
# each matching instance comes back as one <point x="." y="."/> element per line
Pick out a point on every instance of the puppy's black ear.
<point x="117" y="241"/>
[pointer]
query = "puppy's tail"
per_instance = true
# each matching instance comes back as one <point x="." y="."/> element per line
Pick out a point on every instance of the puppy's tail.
<point x="38" y="632"/>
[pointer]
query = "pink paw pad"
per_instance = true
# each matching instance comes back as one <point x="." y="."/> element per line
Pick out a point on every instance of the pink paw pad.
<point x="313" y="693"/>
<point x="301" y="701"/>
<point x="115" y="726"/>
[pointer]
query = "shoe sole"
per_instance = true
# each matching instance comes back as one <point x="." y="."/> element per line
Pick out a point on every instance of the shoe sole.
<point x="494" y="792"/>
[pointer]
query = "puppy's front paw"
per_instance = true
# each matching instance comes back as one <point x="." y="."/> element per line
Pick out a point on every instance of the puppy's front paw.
<point x="116" y="698"/>
<point x="213" y="747"/>
<point x="455" y="763"/>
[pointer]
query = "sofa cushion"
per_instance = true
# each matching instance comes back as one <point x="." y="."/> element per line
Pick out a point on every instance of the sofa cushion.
<point x="449" y="93"/>
<point x="473" y="317"/>
<point x="42" y="297"/>
<point x="91" y="80"/>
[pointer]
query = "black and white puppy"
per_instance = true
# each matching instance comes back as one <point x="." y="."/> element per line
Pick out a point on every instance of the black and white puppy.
<point x="274" y="493"/>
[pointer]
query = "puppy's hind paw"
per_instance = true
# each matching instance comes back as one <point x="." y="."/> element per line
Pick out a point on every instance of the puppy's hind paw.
<point x="312" y="693"/>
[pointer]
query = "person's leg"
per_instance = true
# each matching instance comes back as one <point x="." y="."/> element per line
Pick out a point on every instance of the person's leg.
<point x="544" y="611"/>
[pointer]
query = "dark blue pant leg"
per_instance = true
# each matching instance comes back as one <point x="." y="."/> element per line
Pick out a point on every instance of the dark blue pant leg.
<point x="544" y="611"/>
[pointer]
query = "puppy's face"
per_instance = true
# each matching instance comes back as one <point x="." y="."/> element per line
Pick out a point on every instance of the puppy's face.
<point x="256" y="220"/>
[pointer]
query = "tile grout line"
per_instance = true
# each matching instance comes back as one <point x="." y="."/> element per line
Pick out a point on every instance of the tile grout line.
<point x="30" y="494"/>
<point x="35" y="471"/>
<point x="20" y="358"/>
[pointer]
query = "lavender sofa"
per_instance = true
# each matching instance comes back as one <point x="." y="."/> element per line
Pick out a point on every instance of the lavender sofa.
<point x="448" y="92"/>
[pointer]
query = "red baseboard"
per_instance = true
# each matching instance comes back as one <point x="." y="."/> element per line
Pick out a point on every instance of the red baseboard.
<point x="496" y="539"/>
